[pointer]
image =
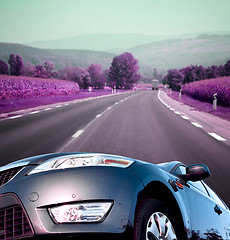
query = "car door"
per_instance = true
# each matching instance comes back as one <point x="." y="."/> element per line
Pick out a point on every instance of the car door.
<point x="223" y="209"/>
<point x="206" y="220"/>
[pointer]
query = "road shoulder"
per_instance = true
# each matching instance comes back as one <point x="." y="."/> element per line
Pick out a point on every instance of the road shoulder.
<point x="216" y="127"/>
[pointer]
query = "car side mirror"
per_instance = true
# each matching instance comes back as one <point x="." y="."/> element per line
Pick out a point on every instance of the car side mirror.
<point x="196" y="172"/>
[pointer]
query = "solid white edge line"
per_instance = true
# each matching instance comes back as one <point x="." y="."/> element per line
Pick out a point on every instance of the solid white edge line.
<point x="216" y="136"/>
<point x="77" y="134"/>
<point x="196" y="124"/>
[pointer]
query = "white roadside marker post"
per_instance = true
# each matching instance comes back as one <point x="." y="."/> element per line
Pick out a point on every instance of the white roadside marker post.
<point x="180" y="94"/>
<point x="214" y="102"/>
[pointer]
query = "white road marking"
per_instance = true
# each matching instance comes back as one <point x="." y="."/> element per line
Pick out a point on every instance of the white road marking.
<point x="47" y="109"/>
<point x="78" y="133"/>
<point x="172" y="109"/>
<point x="98" y="115"/>
<point x="177" y="112"/>
<point x="185" y="117"/>
<point x="109" y="108"/>
<point x="34" y="112"/>
<point x="196" y="124"/>
<point x="218" y="137"/>
<point x="13" y="117"/>
<point x="58" y="106"/>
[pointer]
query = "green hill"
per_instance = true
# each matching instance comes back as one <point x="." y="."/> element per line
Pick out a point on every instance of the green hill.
<point x="61" y="58"/>
<point x="206" y="50"/>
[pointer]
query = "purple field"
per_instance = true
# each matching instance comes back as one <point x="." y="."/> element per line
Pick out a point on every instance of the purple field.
<point x="223" y="112"/>
<point x="205" y="89"/>
<point x="14" y="87"/>
<point x="18" y="93"/>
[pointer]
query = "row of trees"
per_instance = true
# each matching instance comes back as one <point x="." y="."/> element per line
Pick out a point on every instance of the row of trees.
<point x="177" y="77"/>
<point x="123" y="72"/>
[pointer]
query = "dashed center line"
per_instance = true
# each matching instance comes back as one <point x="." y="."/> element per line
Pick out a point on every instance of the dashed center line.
<point x="34" y="112"/>
<point x="185" y="117"/>
<point x="196" y="124"/>
<point x="13" y="117"/>
<point x="218" y="137"/>
<point x="98" y="115"/>
<point x="78" y="133"/>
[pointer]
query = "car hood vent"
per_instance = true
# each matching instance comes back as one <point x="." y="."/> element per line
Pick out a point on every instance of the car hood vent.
<point x="7" y="175"/>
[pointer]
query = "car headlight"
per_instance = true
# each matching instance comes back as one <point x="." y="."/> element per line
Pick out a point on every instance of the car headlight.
<point x="80" y="212"/>
<point x="81" y="160"/>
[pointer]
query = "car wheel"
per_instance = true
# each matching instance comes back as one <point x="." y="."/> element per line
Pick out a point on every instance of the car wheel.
<point x="154" y="221"/>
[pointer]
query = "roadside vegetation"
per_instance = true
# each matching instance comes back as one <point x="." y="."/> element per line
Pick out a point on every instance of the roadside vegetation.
<point x="24" y="85"/>
<point x="204" y="90"/>
<point x="123" y="72"/>
<point x="18" y="87"/>
<point x="202" y="83"/>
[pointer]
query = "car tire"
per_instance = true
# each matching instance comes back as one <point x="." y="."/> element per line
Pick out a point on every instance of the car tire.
<point x="153" y="221"/>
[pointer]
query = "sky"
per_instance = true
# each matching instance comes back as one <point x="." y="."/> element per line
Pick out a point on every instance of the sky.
<point x="24" y="21"/>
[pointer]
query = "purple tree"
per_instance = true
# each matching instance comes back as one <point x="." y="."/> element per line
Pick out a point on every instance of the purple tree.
<point x="49" y="67"/>
<point x="201" y="73"/>
<point x="222" y="71"/>
<point x="28" y="70"/>
<point x="212" y="72"/>
<point x="186" y="73"/>
<point x="16" y="64"/>
<point x="124" y="71"/>
<point x="40" y="72"/>
<point x="79" y="75"/>
<point x="175" y="78"/>
<point x="97" y="76"/>
<point x="4" y="69"/>
<point x="227" y="68"/>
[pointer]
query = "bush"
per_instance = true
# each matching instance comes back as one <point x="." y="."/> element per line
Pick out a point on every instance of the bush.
<point x="205" y="89"/>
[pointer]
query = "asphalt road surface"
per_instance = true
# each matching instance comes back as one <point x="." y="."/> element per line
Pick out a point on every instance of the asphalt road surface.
<point x="134" y="124"/>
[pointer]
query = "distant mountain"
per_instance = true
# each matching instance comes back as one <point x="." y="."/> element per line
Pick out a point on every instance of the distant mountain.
<point x="98" y="42"/>
<point x="109" y="42"/>
<point x="204" y="50"/>
<point x="61" y="58"/>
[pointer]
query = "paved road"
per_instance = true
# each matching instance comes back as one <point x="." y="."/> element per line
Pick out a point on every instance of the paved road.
<point x="139" y="126"/>
<point x="46" y="131"/>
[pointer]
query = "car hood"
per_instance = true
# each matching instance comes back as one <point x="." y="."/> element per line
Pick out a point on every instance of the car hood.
<point x="36" y="160"/>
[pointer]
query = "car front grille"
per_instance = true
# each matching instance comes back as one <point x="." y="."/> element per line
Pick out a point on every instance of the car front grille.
<point x="7" y="175"/>
<point x="14" y="223"/>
